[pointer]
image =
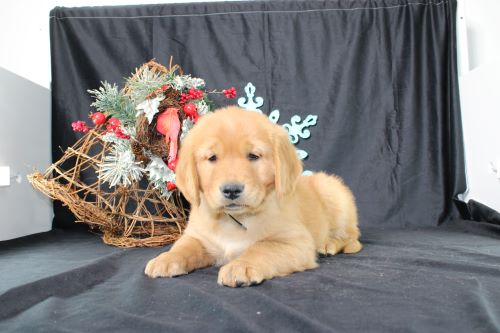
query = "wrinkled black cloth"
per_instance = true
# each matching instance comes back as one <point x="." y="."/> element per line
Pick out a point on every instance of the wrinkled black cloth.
<point x="479" y="212"/>
<point x="380" y="75"/>
<point x="434" y="279"/>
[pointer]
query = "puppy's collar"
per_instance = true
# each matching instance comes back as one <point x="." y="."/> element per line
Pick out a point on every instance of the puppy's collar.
<point x="235" y="220"/>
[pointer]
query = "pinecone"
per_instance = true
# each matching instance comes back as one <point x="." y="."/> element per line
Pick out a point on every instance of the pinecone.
<point x="159" y="147"/>
<point x="139" y="152"/>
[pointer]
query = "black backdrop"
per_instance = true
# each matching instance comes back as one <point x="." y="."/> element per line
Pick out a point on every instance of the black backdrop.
<point x="381" y="76"/>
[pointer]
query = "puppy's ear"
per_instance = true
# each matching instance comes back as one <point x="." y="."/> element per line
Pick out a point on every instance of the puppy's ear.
<point x="286" y="162"/>
<point x="186" y="175"/>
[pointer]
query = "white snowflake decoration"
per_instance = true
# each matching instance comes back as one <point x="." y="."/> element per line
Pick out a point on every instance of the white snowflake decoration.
<point x="149" y="107"/>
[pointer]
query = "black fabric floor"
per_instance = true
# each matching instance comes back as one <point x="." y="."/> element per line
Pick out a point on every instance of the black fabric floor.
<point x="437" y="279"/>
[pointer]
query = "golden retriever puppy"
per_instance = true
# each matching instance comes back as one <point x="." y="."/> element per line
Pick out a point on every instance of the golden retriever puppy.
<point x="252" y="212"/>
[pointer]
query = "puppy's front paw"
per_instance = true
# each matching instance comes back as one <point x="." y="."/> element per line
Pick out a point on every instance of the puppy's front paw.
<point x="166" y="265"/>
<point x="239" y="274"/>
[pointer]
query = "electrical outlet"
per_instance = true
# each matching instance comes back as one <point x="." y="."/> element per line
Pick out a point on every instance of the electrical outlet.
<point x="4" y="176"/>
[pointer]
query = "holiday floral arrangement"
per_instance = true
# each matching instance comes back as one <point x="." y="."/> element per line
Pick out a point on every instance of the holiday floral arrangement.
<point x="130" y="145"/>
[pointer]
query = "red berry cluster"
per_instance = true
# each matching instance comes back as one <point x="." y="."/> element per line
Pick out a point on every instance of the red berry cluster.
<point x="184" y="98"/>
<point x="229" y="93"/>
<point x="113" y="123"/>
<point x="119" y="133"/>
<point x="195" y="93"/>
<point x="98" y="118"/>
<point x="79" y="126"/>
<point x="191" y="94"/>
<point x="191" y="111"/>
<point x="114" y="126"/>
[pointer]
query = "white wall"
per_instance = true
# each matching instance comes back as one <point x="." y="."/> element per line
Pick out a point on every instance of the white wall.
<point x="480" y="99"/>
<point x="24" y="145"/>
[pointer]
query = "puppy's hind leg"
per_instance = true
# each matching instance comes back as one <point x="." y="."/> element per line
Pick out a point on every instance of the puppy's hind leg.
<point x="342" y="220"/>
<point x="344" y="235"/>
<point x="352" y="246"/>
<point x="334" y="246"/>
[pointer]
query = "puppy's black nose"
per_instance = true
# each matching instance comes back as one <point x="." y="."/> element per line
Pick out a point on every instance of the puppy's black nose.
<point x="232" y="190"/>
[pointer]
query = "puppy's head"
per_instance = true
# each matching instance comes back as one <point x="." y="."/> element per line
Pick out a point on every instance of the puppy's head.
<point x="234" y="159"/>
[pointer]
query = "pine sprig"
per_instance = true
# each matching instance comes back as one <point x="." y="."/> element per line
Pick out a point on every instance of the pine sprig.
<point x="113" y="102"/>
<point x="120" y="167"/>
<point x="142" y="83"/>
<point x="185" y="82"/>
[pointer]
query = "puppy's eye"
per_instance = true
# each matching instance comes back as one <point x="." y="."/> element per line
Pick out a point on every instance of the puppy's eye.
<point x="253" y="157"/>
<point x="212" y="158"/>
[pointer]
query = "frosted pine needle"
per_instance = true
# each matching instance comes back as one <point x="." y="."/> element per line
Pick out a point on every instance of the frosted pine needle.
<point x="142" y="83"/>
<point x="184" y="82"/>
<point x="113" y="103"/>
<point x="120" y="168"/>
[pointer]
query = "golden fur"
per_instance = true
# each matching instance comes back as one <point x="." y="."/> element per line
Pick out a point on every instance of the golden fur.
<point x="289" y="218"/>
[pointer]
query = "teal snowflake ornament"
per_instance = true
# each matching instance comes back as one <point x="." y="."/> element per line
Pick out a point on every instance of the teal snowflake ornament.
<point x="248" y="102"/>
<point x="274" y="116"/>
<point x="297" y="129"/>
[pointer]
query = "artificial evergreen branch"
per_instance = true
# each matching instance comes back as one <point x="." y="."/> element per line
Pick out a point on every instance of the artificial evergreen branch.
<point x="120" y="168"/>
<point x="114" y="103"/>
<point x="142" y="83"/>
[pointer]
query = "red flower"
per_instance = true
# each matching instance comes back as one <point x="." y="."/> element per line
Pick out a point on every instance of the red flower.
<point x="79" y="126"/>
<point x="229" y="93"/>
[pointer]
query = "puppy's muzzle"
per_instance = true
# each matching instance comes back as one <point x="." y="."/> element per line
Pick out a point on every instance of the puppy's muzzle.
<point x="232" y="191"/>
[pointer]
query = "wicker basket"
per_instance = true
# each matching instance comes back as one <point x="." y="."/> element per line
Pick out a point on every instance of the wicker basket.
<point x="136" y="215"/>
